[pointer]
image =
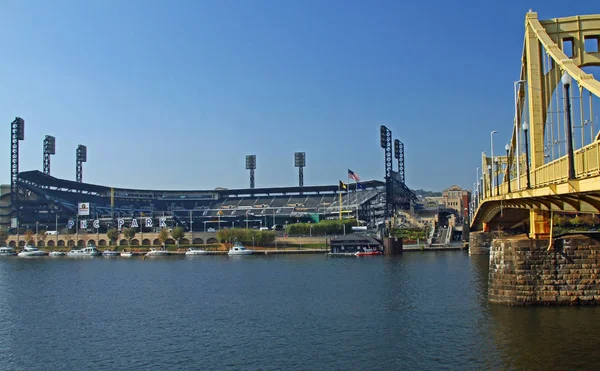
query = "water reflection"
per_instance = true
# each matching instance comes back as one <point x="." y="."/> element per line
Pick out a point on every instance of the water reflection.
<point x="420" y="310"/>
<point x="545" y="338"/>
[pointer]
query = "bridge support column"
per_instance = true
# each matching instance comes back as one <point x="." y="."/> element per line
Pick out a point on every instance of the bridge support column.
<point x="392" y="246"/>
<point x="524" y="272"/>
<point x="539" y="223"/>
<point x="481" y="242"/>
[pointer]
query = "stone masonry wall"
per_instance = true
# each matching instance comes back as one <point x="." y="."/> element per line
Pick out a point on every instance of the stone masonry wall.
<point x="525" y="272"/>
<point x="480" y="242"/>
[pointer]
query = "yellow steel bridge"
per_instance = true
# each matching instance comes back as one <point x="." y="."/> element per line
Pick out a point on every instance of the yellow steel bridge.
<point x="552" y="162"/>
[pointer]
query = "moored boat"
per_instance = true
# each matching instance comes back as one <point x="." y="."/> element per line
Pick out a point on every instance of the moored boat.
<point x="238" y="249"/>
<point x="30" y="251"/>
<point x="90" y="250"/>
<point x="57" y="253"/>
<point x="192" y="251"/>
<point x="110" y="253"/>
<point x="7" y="251"/>
<point x="368" y="252"/>
<point x="127" y="254"/>
<point x="157" y="252"/>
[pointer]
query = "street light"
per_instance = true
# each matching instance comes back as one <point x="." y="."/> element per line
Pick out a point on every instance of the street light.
<point x="566" y="81"/>
<point x="490" y="178"/>
<point x="507" y="148"/>
<point x="492" y="158"/>
<point x="525" y="128"/>
<point x="496" y="160"/>
<point x="517" y="132"/>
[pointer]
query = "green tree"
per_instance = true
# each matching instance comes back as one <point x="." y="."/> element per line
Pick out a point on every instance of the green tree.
<point x="41" y="236"/>
<point x="68" y="237"/>
<point x="29" y="236"/>
<point x="3" y="236"/>
<point x="178" y="233"/>
<point x="163" y="236"/>
<point x="129" y="234"/>
<point x="113" y="235"/>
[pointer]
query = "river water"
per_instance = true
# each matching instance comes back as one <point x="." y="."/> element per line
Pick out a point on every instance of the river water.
<point x="421" y="310"/>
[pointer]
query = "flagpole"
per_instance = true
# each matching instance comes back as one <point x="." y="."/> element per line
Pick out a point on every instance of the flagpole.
<point x="340" y="194"/>
<point x="348" y="197"/>
<point x="356" y="202"/>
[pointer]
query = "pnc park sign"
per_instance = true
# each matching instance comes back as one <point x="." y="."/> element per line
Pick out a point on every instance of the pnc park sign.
<point x="84" y="210"/>
<point x="147" y="222"/>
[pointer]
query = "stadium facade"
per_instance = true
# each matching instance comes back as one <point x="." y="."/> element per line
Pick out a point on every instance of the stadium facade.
<point x="50" y="202"/>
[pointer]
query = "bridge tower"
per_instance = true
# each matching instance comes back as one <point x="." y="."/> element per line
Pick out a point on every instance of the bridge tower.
<point x="553" y="172"/>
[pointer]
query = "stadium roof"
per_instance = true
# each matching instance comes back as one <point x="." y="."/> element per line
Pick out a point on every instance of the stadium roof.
<point x="37" y="177"/>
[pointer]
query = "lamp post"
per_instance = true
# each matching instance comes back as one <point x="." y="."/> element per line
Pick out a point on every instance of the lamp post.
<point x="566" y="81"/>
<point x="490" y="178"/>
<point x="525" y="128"/>
<point x="496" y="160"/>
<point x="517" y="131"/>
<point x="507" y="148"/>
<point x="492" y="158"/>
<point x="309" y="229"/>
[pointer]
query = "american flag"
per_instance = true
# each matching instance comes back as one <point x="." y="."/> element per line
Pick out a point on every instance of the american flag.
<point x="352" y="175"/>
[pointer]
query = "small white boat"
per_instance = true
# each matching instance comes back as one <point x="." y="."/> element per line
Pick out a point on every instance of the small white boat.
<point x="110" y="253"/>
<point x="238" y="249"/>
<point x="57" y="253"/>
<point x="127" y="254"/>
<point x="29" y="251"/>
<point x="90" y="250"/>
<point x="191" y="252"/>
<point x="7" y="251"/>
<point x="157" y="252"/>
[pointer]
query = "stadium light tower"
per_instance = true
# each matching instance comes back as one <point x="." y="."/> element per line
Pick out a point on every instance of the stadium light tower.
<point x="251" y="165"/>
<point x="386" y="144"/>
<point x="300" y="163"/>
<point x="49" y="149"/>
<point x="17" y="133"/>
<point x="81" y="157"/>
<point x="399" y="155"/>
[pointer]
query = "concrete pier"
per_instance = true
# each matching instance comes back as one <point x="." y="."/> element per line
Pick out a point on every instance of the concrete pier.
<point x="392" y="246"/>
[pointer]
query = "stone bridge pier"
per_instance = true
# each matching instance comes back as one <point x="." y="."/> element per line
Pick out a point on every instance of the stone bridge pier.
<point x="526" y="271"/>
<point x="480" y="243"/>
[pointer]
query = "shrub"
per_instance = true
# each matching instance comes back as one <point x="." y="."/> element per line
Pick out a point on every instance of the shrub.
<point x="246" y="236"/>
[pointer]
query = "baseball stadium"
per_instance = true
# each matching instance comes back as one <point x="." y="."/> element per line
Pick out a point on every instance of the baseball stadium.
<point x="35" y="198"/>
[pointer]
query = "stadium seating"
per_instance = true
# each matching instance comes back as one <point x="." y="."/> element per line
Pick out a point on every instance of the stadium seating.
<point x="62" y="196"/>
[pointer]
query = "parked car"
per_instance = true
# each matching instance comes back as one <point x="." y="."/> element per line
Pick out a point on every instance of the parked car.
<point x="210" y="230"/>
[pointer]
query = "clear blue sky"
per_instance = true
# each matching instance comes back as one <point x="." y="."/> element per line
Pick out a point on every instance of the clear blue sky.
<point x="174" y="94"/>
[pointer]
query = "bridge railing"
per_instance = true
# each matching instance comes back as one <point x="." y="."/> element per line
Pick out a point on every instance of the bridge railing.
<point x="587" y="164"/>
<point x="552" y="172"/>
<point x="587" y="160"/>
